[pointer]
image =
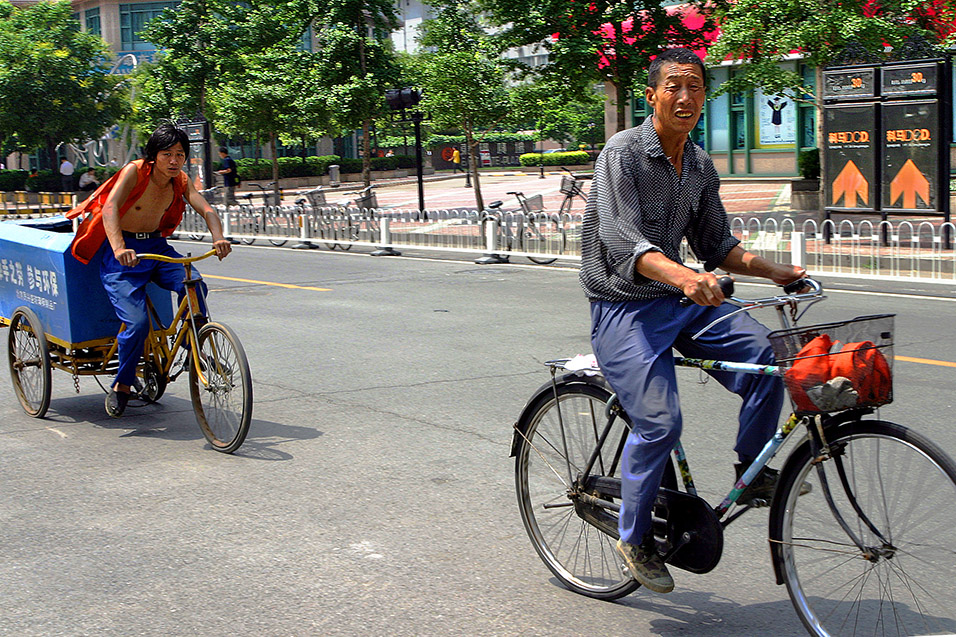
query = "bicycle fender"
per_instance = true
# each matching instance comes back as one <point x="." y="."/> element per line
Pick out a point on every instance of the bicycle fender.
<point x="547" y="389"/>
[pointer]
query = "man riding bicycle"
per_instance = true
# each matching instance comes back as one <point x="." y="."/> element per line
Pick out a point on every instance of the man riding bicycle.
<point x="652" y="188"/>
<point x="131" y="213"/>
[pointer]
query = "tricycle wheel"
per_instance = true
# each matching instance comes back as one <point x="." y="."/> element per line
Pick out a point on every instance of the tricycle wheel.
<point x="29" y="356"/>
<point x="221" y="389"/>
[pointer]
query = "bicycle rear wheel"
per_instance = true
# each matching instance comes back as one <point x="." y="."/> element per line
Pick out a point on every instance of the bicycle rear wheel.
<point x="552" y="452"/>
<point x="545" y="236"/>
<point x="223" y="403"/>
<point x="905" y="487"/>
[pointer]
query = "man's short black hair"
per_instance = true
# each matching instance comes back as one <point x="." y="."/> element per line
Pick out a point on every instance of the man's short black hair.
<point x="223" y="150"/>
<point x="166" y="136"/>
<point x="678" y="55"/>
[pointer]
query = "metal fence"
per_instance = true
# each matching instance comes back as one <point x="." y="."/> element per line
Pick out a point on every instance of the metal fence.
<point x="898" y="249"/>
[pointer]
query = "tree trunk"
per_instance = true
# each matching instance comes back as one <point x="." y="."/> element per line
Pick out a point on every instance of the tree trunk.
<point x="275" y="167"/>
<point x="366" y="155"/>
<point x="620" y="104"/>
<point x="818" y="76"/>
<point x="51" y="156"/>
<point x="472" y="145"/>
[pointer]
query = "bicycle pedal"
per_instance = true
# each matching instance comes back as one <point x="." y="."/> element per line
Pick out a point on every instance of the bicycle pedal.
<point x="758" y="503"/>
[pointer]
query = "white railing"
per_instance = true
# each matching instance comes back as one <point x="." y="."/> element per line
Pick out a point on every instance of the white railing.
<point x="896" y="249"/>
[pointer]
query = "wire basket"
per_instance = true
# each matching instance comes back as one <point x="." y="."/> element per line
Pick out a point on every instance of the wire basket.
<point x="570" y="186"/>
<point x="836" y="366"/>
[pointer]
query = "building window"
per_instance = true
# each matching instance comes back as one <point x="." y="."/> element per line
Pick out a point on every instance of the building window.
<point x="92" y="17"/>
<point x="305" y="42"/>
<point x="808" y="113"/>
<point x="133" y="19"/>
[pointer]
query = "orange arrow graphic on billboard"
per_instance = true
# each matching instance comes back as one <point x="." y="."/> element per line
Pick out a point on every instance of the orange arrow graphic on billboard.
<point x="909" y="182"/>
<point x="853" y="184"/>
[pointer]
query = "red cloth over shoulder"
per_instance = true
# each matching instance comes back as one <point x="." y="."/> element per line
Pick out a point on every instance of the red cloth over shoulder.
<point x="91" y="234"/>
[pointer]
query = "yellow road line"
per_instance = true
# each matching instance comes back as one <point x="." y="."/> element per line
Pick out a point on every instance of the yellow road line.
<point x="291" y="286"/>
<point x="925" y="361"/>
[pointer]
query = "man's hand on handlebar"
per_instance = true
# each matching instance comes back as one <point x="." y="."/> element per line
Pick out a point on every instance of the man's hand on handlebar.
<point x="126" y="257"/>
<point x="786" y="273"/>
<point x="703" y="289"/>
<point x="222" y="247"/>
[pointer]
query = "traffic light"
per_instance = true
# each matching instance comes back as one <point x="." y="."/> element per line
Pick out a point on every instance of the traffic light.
<point x="399" y="99"/>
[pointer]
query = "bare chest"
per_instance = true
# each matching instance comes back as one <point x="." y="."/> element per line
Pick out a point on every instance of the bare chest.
<point x="146" y="212"/>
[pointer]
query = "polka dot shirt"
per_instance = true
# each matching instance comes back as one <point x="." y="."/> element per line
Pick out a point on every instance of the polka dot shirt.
<point x="637" y="204"/>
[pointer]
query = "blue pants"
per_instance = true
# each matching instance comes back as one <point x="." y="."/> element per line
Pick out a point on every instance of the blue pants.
<point x="632" y="342"/>
<point x="126" y="288"/>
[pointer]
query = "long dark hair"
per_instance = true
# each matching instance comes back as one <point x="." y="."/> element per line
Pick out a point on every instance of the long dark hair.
<point x="166" y="136"/>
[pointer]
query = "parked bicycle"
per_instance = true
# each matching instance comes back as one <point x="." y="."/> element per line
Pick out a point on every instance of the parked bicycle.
<point x="533" y="231"/>
<point x="572" y="188"/>
<point x="340" y="223"/>
<point x="869" y="550"/>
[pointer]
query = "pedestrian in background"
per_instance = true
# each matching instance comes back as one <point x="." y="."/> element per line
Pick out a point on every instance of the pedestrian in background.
<point x="88" y="180"/>
<point x="456" y="161"/>
<point x="66" y="175"/>
<point x="228" y="172"/>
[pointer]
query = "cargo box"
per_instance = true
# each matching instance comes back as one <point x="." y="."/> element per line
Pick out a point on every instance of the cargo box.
<point x="37" y="270"/>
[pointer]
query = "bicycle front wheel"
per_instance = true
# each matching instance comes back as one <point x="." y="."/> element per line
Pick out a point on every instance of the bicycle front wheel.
<point x="552" y="452"/>
<point x="222" y="394"/>
<point x="547" y="236"/>
<point x="896" y="491"/>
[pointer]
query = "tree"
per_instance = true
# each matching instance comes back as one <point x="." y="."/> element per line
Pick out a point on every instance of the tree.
<point x="275" y="92"/>
<point x="357" y="63"/>
<point x="601" y="40"/>
<point x="463" y="77"/>
<point x="764" y="33"/>
<point x="556" y="113"/>
<point x="202" y="43"/>
<point x="54" y="81"/>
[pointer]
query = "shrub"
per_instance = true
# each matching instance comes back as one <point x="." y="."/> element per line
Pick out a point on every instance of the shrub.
<point x="572" y="158"/>
<point x="809" y="164"/>
<point x="43" y="181"/>
<point x="13" y="179"/>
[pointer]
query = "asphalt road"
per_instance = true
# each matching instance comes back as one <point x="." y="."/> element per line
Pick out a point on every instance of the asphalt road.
<point x="374" y="494"/>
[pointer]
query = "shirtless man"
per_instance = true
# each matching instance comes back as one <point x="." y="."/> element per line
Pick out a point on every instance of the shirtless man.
<point x="143" y="205"/>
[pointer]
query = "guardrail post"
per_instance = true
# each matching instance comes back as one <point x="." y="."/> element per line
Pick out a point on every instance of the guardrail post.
<point x="226" y="226"/>
<point x="491" y="238"/>
<point x="798" y="249"/>
<point x="305" y="233"/>
<point x="385" y="237"/>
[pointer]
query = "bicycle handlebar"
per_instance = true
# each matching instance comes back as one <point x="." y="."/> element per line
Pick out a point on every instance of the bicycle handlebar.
<point x="168" y="259"/>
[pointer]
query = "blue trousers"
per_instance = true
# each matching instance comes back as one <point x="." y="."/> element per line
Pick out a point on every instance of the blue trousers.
<point x="632" y="342"/>
<point x="126" y="288"/>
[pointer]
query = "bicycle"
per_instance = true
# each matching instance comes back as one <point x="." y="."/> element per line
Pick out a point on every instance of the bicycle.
<point x="336" y="222"/>
<point x="571" y="188"/>
<point x="262" y="221"/>
<point x="868" y="550"/>
<point x="220" y="382"/>
<point x="533" y="231"/>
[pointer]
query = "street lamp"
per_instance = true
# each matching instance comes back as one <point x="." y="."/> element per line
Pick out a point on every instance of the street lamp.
<point x="541" y="156"/>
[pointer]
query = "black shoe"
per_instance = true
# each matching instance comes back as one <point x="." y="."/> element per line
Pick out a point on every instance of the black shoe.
<point x="760" y="491"/>
<point x="116" y="402"/>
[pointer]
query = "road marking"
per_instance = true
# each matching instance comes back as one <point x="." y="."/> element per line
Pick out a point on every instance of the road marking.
<point x="57" y="432"/>
<point x="924" y="361"/>
<point x="291" y="286"/>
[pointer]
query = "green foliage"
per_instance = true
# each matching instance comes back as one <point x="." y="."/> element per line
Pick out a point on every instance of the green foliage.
<point x="463" y="75"/>
<point x="251" y="169"/>
<point x="548" y="106"/>
<point x="597" y="41"/>
<point x="765" y="33"/>
<point x="54" y="85"/>
<point x="13" y="180"/>
<point x="43" y="181"/>
<point x="808" y="163"/>
<point x="571" y="158"/>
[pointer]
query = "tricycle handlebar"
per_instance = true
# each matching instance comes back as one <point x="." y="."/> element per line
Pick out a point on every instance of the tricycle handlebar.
<point x="168" y="259"/>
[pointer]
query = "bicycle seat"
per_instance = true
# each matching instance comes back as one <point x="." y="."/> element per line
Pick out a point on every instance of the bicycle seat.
<point x="495" y="204"/>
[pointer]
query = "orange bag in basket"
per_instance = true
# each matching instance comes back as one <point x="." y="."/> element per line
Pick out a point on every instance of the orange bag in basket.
<point x="866" y="367"/>
<point x="811" y="368"/>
